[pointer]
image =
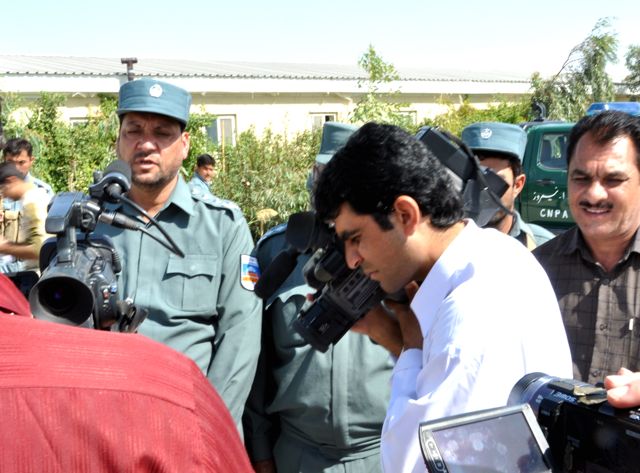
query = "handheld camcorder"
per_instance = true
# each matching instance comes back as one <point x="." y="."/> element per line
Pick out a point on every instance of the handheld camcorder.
<point x="345" y="295"/>
<point x="78" y="285"/>
<point x="550" y="425"/>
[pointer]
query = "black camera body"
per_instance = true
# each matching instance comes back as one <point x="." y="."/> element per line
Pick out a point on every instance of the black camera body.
<point x="345" y="295"/>
<point x="340" y="302"/>
<point x="79" y="284"/>
<point x="584" y="432"/>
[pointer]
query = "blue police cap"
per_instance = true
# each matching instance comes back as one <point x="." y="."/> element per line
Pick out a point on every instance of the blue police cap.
<point x="334" y="137"/>
<point x="153" y="96"/>
<point x="495" y="137"/>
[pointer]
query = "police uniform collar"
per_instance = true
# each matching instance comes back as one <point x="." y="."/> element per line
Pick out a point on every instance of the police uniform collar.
<point x="181" y="197"/>
<point x="519" y="226"/>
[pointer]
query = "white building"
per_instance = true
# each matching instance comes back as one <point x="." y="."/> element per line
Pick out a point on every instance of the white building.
<point x="287" y="98"/>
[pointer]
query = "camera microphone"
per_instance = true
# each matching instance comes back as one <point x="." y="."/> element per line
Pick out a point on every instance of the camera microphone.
<point x="112" y="183"/>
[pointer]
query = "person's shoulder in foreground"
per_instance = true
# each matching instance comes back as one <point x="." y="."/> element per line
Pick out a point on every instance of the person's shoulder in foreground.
<point x="12" y="301"/>
<point x="86" y="400"/>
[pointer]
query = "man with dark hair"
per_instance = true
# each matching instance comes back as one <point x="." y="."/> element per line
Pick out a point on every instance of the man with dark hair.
<point x="20" y="152"/>
<point x="500" y="147"/>
<point x="339" y="428"/>
<point x="204" y="173"/>
<point x="23" y="253"/>
<point x="468" y="337"/>
<point x="594" y="266"/>
<point x="201" y="304"/>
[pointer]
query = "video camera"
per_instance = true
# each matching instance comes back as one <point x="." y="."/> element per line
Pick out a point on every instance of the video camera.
<point x="78" y="285"/>
<point x="344" y="295"/>
<point x="550" y="424"/>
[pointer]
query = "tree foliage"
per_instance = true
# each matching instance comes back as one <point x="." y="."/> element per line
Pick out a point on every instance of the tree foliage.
<point x="459" y="116"/>
<point x="379" y="104"/>
<point x="582" y="79"/>
<point x="632" y="61"/>
<point x="265" y="174"/>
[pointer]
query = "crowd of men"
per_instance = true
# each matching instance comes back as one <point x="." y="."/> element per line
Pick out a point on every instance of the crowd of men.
<point x="218" y="380"/>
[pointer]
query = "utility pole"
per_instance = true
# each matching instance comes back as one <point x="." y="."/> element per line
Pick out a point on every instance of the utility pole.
<point x="129" y="61"/>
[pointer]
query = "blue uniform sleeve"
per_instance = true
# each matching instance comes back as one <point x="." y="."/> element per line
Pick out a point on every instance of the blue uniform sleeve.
<point x="237" y="337"/>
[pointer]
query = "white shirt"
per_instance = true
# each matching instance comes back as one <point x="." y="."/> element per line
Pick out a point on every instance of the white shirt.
<point x="488" y="316"/>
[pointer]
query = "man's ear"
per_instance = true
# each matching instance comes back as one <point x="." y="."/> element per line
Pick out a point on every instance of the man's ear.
<point x="407" y="213"/>
<point x="186" y="140"/>
<point x="518" y="184"/>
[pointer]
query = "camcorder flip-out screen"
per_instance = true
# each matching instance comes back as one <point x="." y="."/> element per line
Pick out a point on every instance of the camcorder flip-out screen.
<point x="504" y="439"/>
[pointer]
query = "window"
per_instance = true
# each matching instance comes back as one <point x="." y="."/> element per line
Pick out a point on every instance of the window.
<point x="78" y="121"/>
<point x="222" y="130"/>
<point x="553" y="151"/>
<point x="411" y="116"/>
<point x="318" y="119"/>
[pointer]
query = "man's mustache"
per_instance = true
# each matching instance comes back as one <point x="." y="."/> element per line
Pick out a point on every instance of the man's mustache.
<point x="598" y="206"/>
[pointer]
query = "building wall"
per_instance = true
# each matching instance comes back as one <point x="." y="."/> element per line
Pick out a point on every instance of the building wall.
<point x="283" y="113"/>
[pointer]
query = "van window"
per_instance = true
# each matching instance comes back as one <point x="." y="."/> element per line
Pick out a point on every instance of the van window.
<point x="553" y="151"/>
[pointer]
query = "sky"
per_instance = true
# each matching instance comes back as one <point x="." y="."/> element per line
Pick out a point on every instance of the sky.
<point x="490" y="35"/>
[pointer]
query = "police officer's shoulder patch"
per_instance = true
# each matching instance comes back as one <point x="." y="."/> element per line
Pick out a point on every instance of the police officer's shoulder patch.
<point x="249" y="272"/>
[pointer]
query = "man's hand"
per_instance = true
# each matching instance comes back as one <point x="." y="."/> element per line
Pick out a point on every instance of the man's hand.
<point x="409" y="326"/>
<point x="381" y="327"/>
<point x="623" y="388"/>
<point x="393" y="325"/>
<point x="264" y="466"/>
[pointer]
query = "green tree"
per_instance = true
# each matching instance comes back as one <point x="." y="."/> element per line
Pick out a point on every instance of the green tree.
<point x="266" y="175"/>
<point x="378" y="104"/>
<point x="632" y="61"/>
<point x="582" y="79"/>
<point x="199" y="142"/>
<point x="459" y="116"/>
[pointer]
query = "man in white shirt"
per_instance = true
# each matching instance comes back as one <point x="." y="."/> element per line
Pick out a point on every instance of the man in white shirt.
<point x="484" y="314"/>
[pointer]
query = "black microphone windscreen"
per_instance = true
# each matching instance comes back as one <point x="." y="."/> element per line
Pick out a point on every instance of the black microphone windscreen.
<point x="276" y="273"/>
<point x="120" y="167"/>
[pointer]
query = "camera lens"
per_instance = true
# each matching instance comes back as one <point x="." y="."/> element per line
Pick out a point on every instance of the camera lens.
<point x="58" y="299"/>
<point x="62" y="299"/>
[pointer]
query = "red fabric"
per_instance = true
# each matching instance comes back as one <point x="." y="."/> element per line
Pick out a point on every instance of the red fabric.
<point x="80" y="400"/>
<point x="11" y="299"/>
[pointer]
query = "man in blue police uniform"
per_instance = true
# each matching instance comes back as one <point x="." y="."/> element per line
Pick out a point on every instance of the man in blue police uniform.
<point x="200" y="183"/>
<point x="500" y="146"/>
<point x="201" y="304"/>
<point x="310" y="411"/>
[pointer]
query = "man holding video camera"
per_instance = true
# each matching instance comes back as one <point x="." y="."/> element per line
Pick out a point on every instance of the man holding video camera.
<point x="339" y="428"/>
<point x="201" y="304"/>
<point x="468" y="336"/>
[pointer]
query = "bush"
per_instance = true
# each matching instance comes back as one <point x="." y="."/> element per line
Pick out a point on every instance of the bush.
<point x="265" y="176"/>
<point x="458" y="117"/>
